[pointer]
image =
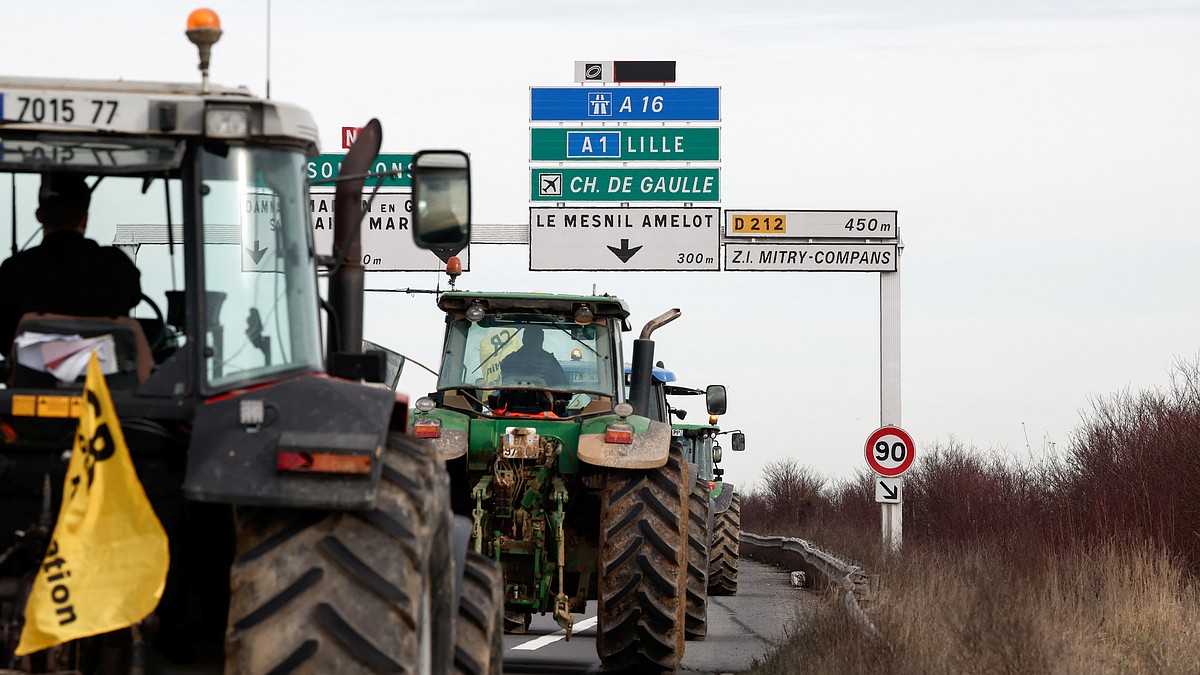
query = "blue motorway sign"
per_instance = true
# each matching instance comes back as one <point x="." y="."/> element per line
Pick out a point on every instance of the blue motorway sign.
<point x="590" y="144"/>
<point x="579" y="104"/>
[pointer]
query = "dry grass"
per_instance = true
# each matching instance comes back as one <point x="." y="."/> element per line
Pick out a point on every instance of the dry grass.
<point x="1088" y="562"/>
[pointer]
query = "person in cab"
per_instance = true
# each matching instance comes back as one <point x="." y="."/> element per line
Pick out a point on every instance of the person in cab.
<point x="531" y="360"/>
<point x="67" y="273"/>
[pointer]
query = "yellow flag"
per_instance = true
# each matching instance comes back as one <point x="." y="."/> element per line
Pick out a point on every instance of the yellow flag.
<point x="107" y="561"/>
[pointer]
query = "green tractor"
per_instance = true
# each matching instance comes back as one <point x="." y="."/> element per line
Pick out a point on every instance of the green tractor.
<point x="576" y="496"/>
<point x="712" y="505"/>
<point x="705" y="453"/>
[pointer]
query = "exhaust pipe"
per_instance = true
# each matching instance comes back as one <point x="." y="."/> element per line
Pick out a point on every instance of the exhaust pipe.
<point x="346" y="280"/>
<point x="642" y="363"/>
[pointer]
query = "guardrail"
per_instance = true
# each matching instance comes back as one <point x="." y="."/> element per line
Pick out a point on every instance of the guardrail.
<point x="851" y="579"/>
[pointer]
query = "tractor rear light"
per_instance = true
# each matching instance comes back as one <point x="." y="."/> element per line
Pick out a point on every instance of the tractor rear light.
<point x="322" y="462"/>
<point x="619" y="433"/>
<point x="712" y="485"/>
<point x="427" y="427"/>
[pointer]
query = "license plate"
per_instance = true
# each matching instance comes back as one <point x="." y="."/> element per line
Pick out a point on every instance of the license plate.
<point x="114" y="112"/>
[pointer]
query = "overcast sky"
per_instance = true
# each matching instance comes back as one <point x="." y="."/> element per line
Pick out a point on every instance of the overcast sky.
<point x="1042" y="157"/>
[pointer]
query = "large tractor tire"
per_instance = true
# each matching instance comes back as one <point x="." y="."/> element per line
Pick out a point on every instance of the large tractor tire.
<point x="723" y="560"/>
<point x="348" y="592"/>
<point x="479" y="644"/>
<point x="643" y="567"/>
<point x="700" y="521"/>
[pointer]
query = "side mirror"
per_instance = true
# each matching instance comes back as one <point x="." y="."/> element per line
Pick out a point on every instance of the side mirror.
<point x="739" y="441"/>
<point x="441" y="182"/>
<point x="716" y="453"/>
<point x="394" y="363"/>
<point x="681" y="414"/>
<point x="714" y="397"/>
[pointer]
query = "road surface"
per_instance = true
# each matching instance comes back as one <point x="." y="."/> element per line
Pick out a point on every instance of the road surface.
<point x="741" y="629"/>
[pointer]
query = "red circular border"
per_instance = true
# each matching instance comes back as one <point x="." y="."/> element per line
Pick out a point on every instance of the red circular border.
<point x="892" y="431"/>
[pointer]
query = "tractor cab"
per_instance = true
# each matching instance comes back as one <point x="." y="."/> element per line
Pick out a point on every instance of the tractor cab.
<point x="239" y="389"/>
<point x="515" y="354"/>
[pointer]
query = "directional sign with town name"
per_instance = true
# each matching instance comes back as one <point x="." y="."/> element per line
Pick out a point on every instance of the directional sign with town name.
<point x="811" y="224"/>
<point x="326" y="167"/>
<point x="580" y="104"/>
<point x="659" y="144"/>
<point x="617" y="239"/>
<point x="259" y="221"/>
<point x="387" y="243"/>
<point x="787" y="257"/>
<point x="625" y="185"/>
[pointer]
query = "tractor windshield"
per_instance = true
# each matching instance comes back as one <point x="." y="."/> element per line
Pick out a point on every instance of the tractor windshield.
<point x="529" y="352"/>
<point x="259" y="280"/>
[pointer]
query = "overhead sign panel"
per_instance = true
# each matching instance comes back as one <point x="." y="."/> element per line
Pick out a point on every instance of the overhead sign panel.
<point x="387" y="243"/>
<point x="625" y="185"/>
<point x="789" y="257"/>
<point x="812" y="224"/>
<point x="659" y="144"/>
<point x="594" y="72"/>
<point x="328" y="166"/>
<point x="582" y="104"/>
<point x="617" y="239"/>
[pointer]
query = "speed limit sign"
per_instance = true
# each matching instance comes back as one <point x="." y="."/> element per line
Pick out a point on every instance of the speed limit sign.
<point x="890" y="451"/>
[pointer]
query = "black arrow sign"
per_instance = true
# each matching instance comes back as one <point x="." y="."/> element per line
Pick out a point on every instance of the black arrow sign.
<point x="889" y="492"/>
<point x="256" y="253"/>
<point x="624" y="253"/>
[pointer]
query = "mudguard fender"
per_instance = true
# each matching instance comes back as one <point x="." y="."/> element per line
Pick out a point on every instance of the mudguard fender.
<point x="452" y="443"/>
<point x="721" y="503"/>
<point x="649" y="449"/>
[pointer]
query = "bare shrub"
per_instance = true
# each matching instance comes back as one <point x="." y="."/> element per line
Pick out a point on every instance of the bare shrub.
<point x="1134" y="468"/>
<point x="785" y="501"/>
<point x="1088" y="561"/>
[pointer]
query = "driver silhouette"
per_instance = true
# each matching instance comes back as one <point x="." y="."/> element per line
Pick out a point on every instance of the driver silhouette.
<point x="533" y="361"/>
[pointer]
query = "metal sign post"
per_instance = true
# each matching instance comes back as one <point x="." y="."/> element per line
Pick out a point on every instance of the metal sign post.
<point x="889" y="387"/>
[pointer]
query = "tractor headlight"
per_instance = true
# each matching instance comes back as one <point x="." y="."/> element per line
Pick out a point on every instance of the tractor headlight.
<point x="227" y="121"/>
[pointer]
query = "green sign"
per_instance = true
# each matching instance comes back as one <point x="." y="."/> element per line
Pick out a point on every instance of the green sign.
<point x="659" y="144"/>
<point x="625" y="185"/>
<point x="322" y="169"/>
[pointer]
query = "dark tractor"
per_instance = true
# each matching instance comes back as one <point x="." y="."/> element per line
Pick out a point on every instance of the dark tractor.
<point x="308" y="531"/>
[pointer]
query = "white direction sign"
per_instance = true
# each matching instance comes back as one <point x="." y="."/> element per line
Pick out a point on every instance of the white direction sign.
<point x="890" y="451"/>
<point x="259" y="221"/>
<point x="790" y="257"/>
<point x="889" y="490"/>
<point x="811" y="224"/>
<point x="387" y="243"/>
<point x="618" y="239"/>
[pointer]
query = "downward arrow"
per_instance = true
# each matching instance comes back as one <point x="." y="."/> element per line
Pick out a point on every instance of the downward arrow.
<point x="889" y="492"/>
<point x="624" y="253"/>
<point x="256" y="253"/>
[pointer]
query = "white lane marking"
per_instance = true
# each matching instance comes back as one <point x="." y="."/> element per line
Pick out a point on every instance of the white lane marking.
<point x="538" y="643"/>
